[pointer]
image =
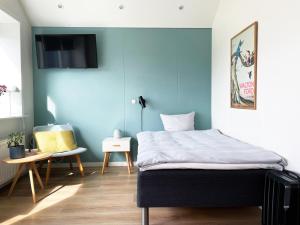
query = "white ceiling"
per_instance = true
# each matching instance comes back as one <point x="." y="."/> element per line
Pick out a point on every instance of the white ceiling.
<point x="136" y="13"/>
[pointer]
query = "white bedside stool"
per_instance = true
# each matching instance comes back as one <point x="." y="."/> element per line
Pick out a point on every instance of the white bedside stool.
<point x="110" y="145"/>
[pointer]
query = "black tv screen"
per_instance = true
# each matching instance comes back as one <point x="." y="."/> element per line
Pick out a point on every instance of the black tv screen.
<point x="66" y="51"/>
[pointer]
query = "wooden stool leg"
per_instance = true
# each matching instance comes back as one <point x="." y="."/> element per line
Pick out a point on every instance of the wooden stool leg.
<point x="37" y="175"/>
<point x="128" y="163"/>
<point x="131" y="162"/>
<point x="16" y="178"/>
<point x="48" y="171"/>
<point x="79" y="164"/>
<point x="32" y="183"/>
<point x="104" y="162"/>
<point x="108" y="158"/>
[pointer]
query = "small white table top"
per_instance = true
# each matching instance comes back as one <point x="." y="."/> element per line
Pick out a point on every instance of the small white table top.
<point x="113" y="140"/>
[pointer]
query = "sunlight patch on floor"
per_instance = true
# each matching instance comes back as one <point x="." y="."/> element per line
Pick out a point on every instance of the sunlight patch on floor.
<point x="58" y="194"/>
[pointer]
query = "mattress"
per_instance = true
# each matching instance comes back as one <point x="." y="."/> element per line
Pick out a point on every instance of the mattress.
<point x="207" y="149"/>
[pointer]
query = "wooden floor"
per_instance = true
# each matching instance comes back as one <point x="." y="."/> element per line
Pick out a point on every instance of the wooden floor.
<point x="103" y="200"/>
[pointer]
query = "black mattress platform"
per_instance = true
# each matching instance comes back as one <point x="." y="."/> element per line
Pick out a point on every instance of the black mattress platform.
<point x="200" y="188"/>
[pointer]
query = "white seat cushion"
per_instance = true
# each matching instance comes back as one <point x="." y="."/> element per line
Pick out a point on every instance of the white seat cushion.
<point x="71" y="152"/>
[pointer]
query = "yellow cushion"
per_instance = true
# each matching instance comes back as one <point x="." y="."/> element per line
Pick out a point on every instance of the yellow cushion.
<point x="55" y="141"/>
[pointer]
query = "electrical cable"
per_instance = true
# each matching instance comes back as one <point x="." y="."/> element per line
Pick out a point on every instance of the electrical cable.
<point x="142" y="119"/>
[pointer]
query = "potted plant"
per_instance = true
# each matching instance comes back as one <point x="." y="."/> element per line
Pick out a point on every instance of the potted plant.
<point x="15" y="145"/>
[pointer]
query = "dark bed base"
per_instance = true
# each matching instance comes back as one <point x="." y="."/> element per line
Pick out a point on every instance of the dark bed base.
<point x="199" y="188"/>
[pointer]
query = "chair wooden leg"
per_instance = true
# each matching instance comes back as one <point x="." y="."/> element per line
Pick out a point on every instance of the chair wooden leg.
<point x="37" y="175"/>
<point x="16" y="178"/>
<point x="104" y="162"/>
<point x="48" y="171"/>
<point x="128" y="162"/>
<point x="32" y="183"/>
<point x="41" y="164"/>
<point x="70" y="165"/>
<point x="79" y="164"/>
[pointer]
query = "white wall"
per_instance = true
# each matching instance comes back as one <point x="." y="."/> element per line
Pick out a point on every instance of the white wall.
<point x="14" y="9"/>
<point x="276" y="122"/>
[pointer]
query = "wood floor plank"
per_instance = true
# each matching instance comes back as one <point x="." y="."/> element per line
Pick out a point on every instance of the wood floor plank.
<point x="103" y="200"/>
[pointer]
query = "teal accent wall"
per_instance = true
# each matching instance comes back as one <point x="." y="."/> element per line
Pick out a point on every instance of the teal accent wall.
<point x="171" y="68"/>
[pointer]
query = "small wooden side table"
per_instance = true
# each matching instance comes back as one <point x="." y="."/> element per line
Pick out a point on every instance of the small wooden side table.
<point x="110" y="145"/>
<point x="29" y="161"/>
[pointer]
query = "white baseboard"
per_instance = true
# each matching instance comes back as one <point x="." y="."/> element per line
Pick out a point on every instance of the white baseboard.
<point x="88" y="164"/>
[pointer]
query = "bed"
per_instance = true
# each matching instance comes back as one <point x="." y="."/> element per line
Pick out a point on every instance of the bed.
<point x="200" y="169"/>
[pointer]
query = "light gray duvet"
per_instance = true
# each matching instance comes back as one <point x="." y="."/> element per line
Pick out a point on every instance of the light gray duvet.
<point x="208" y="149"/>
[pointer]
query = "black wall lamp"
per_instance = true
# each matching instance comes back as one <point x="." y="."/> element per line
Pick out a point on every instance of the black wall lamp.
<point x="142" y="102"/>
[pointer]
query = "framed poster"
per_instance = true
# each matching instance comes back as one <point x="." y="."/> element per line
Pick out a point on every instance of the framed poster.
<point x="244" y="68"/>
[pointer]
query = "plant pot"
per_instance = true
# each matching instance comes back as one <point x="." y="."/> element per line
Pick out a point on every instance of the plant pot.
<point x="17" y="152"/>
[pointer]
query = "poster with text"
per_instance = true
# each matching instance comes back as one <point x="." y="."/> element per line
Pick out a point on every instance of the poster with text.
<point x="244" y="68"/>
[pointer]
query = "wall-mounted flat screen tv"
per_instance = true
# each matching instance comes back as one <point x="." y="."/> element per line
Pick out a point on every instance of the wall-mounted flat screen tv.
<point x="66" y="51"/>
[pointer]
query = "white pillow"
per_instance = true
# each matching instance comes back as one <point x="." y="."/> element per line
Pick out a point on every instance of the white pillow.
<point x="180" y="122"/>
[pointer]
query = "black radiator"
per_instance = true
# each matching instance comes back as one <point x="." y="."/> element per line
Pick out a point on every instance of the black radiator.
<point x="281" y="204"/>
